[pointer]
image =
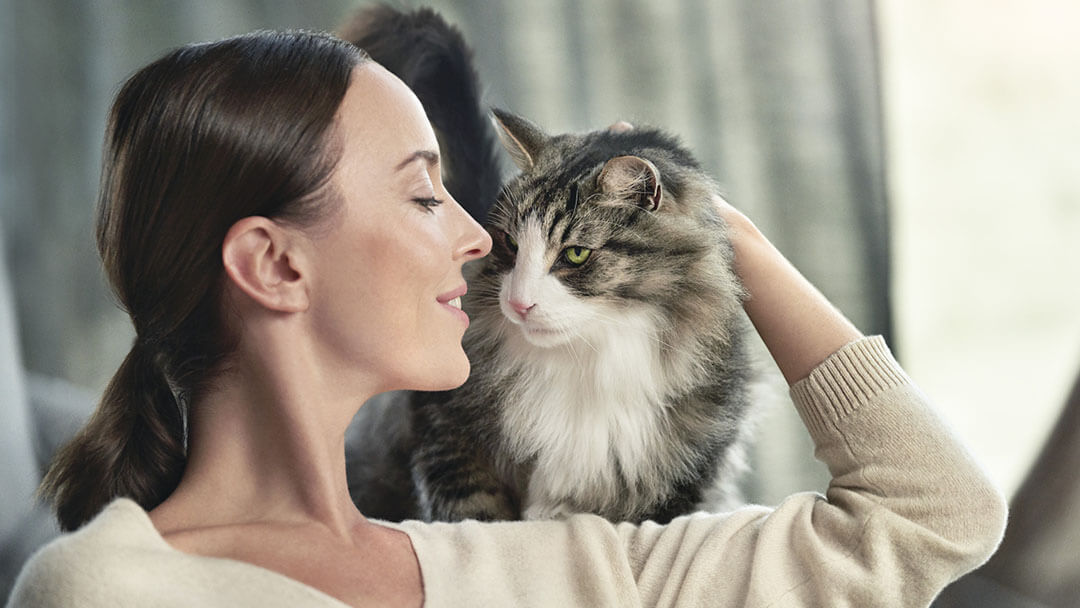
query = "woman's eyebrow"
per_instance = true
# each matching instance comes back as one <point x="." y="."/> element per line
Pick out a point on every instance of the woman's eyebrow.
<point x="431" y="156"/>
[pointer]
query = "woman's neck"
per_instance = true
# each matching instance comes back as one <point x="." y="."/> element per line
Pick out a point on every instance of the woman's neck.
<point x="266" y="448"/>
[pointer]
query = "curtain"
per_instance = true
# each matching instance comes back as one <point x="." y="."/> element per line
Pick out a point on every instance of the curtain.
<point x="778" y="99"/>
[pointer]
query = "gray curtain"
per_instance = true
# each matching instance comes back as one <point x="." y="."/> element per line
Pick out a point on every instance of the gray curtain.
<point x="779" y="100"/>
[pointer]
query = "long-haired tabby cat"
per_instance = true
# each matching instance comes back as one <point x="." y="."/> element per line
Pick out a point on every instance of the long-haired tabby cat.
<point x="609" y="373"/>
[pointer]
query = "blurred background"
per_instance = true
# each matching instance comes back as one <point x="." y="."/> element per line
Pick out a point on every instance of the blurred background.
<point x="918" y="160"/>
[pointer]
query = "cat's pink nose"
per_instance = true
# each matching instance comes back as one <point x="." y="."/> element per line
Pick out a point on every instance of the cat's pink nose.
<point x="520" y="308"/>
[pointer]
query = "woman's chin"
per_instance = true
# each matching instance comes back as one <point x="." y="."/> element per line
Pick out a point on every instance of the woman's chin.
<point x="463" y="374"/>
<point x="448" y="376"/>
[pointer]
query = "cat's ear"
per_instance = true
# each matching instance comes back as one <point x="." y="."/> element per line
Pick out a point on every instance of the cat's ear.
<point x="633" y="179"/>
<point x="521" y="138"/>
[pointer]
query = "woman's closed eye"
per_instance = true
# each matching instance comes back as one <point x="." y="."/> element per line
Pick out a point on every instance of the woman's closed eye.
<point x="427" y="202"/>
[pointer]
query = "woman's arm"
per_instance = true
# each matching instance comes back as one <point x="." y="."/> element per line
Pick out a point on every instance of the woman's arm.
<point x="908" y="508"/>
<point x="798" y="325"/>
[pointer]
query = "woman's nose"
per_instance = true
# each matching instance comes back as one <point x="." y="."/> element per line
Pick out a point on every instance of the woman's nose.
<point x="475" y="241"/>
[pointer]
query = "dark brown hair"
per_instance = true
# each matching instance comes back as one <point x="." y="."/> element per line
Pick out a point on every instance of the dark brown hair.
<point x="206" y="135"/>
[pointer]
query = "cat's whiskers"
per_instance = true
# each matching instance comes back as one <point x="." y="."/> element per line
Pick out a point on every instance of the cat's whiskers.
<point x="572" y="350"/>
<point x="569" y="337"/>
<point x="499" y="215"/>
<point x="582" y="339"/>
<point x="570" y="334"/>
<point x="483" y="291"/>
<point x="503" y="210"/>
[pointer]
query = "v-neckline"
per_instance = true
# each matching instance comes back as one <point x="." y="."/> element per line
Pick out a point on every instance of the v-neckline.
<point x="153" y="533"/>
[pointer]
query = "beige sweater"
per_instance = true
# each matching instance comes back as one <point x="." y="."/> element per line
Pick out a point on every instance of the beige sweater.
<point x="908" y="511"/>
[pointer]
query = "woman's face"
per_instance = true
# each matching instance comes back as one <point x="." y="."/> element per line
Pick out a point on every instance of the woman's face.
<point x="388" y="279"/>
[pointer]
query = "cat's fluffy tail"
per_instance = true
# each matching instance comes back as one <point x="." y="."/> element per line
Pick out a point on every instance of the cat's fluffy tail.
<point x="431" y="56"/>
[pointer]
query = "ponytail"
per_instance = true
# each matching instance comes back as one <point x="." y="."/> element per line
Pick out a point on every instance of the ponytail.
<point x="133" y="446"/>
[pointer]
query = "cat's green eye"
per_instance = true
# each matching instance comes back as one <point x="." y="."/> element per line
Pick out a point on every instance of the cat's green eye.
<point x="576" y="255"/>
<point x="511" y="243"/>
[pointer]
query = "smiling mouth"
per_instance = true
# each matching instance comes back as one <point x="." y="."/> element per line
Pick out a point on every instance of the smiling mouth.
<point x="453" y="304"/>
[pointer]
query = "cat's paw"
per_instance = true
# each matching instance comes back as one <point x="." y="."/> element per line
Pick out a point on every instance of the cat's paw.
<point x="558" y="510"/>
<point x="481" y="506"/>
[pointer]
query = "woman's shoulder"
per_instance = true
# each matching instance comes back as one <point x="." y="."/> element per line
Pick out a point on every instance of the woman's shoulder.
<point x="120" y="558"/>
<point x="70" y="567"/>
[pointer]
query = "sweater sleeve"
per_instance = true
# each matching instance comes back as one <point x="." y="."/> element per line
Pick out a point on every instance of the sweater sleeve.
<point x="908" y="509"/>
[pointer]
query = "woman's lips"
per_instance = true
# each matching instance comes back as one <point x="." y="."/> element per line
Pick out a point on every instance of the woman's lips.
<point x="451" y="301"/>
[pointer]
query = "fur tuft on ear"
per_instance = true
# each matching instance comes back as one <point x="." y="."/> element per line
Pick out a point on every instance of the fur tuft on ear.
<point x="633" y="179"/>
<point x="521" y="138"/>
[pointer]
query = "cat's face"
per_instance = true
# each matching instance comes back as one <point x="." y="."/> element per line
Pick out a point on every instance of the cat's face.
<point x="555" y="265"/>
<point x="579" y="241"/>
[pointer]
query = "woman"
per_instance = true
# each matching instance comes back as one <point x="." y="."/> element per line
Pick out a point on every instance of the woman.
<point x="273" y="219"/>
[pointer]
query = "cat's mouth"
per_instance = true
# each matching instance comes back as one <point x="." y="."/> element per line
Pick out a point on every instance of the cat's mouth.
<point x="542" y="337"/>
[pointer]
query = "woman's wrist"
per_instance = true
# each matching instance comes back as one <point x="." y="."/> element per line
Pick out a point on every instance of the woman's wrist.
<point x="738" y="225"/>
<point x="748" y="243"/>
<point x="797" y="323"/>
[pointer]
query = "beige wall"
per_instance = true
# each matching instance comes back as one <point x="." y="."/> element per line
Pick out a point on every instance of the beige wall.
<point x="983" y="117"/>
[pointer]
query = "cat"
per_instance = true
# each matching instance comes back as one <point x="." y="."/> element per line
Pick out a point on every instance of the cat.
<point x="607" y="339"/>
<point x="609" y="370"/>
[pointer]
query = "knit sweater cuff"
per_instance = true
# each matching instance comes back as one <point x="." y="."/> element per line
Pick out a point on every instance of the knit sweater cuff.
<point x="840" y="385"/>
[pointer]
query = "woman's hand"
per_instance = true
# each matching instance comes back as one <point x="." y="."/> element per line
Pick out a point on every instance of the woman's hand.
<point x="798" y="325"/>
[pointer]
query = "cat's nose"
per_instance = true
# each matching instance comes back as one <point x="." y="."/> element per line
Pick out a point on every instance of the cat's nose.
<point x="521" y="308"/>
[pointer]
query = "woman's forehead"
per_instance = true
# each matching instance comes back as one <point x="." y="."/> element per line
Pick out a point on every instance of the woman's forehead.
<point x="381" y="119"/>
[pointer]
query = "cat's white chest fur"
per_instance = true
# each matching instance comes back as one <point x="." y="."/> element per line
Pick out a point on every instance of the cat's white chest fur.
<point x="587" y="411"/>
<point x="588" y="415"/>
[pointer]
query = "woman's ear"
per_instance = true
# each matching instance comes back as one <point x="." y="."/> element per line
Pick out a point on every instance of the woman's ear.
<point x="265" y="261"/>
